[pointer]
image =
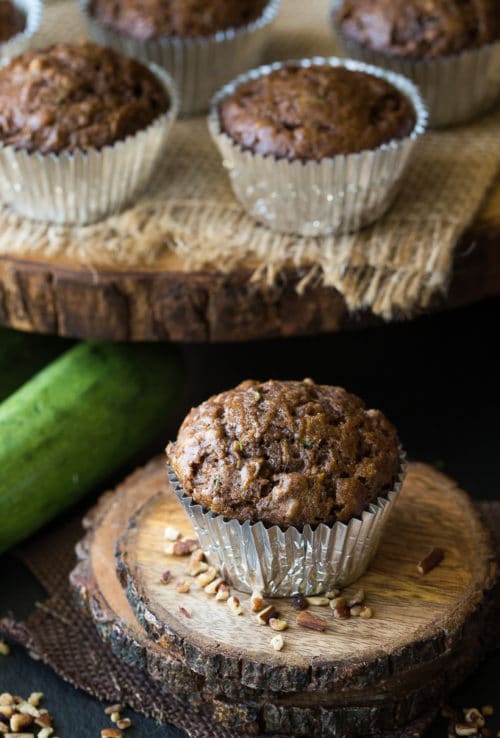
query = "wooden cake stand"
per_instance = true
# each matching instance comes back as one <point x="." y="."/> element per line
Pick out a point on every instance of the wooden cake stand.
<point x="385" y="676"/>
<point x="57" y="296"/>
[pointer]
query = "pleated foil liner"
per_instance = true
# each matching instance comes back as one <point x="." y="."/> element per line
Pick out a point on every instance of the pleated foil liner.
<point x="199" y="66"/>
<point x="456" y="88"/>
<point x="281" y="563"/>
<point x="33" y="9"/>
<point x="328" y="197"/>
<point x="85" y="186"/>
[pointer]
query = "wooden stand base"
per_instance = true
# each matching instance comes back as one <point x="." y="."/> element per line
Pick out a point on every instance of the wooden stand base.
<point x="358" y="678"/>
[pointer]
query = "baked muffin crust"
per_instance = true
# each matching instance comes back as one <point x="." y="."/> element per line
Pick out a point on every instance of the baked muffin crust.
<point x="420" y="28"/>
<point x="79" y="96"/>
<point x="152" y="19"/>
<point x="12" y="20"/>
<point x="285" y="453"/>
<point x="310" y="113"/>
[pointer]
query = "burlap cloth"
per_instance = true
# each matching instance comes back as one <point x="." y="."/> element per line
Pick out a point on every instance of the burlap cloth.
<point x="61" y="635"/>
<point x="394" y="267"/>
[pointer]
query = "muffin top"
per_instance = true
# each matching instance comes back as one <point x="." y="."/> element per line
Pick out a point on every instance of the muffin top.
<point x="79" y="96"/>
<point x="12" y="20"/>
<point x="314" y="112"/>
<point x="150" y="19"/>
<point x="420" y="28"/>
<point x="285" y="453"/>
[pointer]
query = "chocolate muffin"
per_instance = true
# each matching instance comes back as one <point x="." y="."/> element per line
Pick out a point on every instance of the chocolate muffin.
<point x="184" y="18"/>
<point x="420" y="28"/>
<point x="75" y="97"/>
<point x="285" y="453"/>
<point x="314" y="112"/>
<point x="12" y="20"/>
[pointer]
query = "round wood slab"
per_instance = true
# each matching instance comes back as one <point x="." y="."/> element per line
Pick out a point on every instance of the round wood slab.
<point x="386" y="690"/>
<point x="169" y="303"/>
<point x="381" y="681"/>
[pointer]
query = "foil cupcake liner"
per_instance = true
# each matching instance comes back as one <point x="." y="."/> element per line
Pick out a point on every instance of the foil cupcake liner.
<point x="199" y="65"/>
<point x="85" y="186"/>
<point x="327" y="197"/>
<point x="33" y="9"/>
<point x="284" y="562"/>
<point x="455" y="88"/>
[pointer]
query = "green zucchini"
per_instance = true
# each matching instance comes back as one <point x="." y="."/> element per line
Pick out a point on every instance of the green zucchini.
<point x="74" y="423"/>
<point x="22" y="355"/>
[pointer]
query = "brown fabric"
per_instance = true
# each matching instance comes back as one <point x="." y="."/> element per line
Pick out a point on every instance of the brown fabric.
<point x="395" y="267"/>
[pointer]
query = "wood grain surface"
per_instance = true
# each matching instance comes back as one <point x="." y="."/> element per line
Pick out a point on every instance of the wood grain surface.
<point x="371" y="689"/>
<point x="56" y="296"/>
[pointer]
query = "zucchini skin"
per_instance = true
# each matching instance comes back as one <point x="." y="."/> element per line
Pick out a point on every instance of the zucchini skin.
<point x="22" y="355"/>
<point x="74" y="423"/>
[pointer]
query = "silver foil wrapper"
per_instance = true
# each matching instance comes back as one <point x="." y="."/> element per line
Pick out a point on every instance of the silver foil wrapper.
<point x="328" y="197"/>
<point x="199" y="66"/>
<point x="281" y="563"/>
<point x="456" y="88"/>
<point x="33" y="9"/>
<point x="85" y="186"/>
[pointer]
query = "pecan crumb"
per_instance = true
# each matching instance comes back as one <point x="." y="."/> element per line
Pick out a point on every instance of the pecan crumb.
<point x="112" y="708"/>
<point x="487" y="710"/>
<point x="474" y="717"/>
<point x="223" y="593"/>
<point x="183" y="587"/>
<point x="111" y="733"/>
<point x="265" y="615"/>
<point x="356" y="611"/>
<point x="340" y="609"/>
<point x="257" y="601"/>
<point x="278" y="624"/>
<point x="277" y="642"/>
<point x="299" y="602"/>
<point x="318" y="601"/>
<point x="124" y="723"/>
<point x="171" y="534"/>
<point x="206" y="577"/>
<point x="4" y="648"/>
<point x="366" y="613"/>
<point x="166" y="577"/>
<point x="185" y="547"/>
<point x="19" y="722"/>
<point x="465" y="729"/>
<point x="431" y="561"/>
<point x="235" y="606"/>
<point x="196" y="567"/>
<point x="211" y="589"/>
<point x="307" y="620"/>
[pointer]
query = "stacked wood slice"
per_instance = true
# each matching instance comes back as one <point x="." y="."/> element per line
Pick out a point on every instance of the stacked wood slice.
<point x="385" y="675"/>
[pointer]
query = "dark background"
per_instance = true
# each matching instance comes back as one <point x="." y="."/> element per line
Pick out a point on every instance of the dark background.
<point x="436" y="378"/>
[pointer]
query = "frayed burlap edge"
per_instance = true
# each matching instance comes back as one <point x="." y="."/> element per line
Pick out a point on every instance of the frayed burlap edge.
<point x="395" y="267"/>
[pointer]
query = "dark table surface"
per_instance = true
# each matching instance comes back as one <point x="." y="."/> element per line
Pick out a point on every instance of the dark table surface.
<point x="437" y="378"/>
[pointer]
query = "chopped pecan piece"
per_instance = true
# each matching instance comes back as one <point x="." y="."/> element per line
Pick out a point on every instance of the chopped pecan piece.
<point x="306" y="619"/>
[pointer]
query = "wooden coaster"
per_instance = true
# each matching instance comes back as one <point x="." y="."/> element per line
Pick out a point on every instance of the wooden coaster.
<point x="357" y="678"/>
<point x="57" y="296"/>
